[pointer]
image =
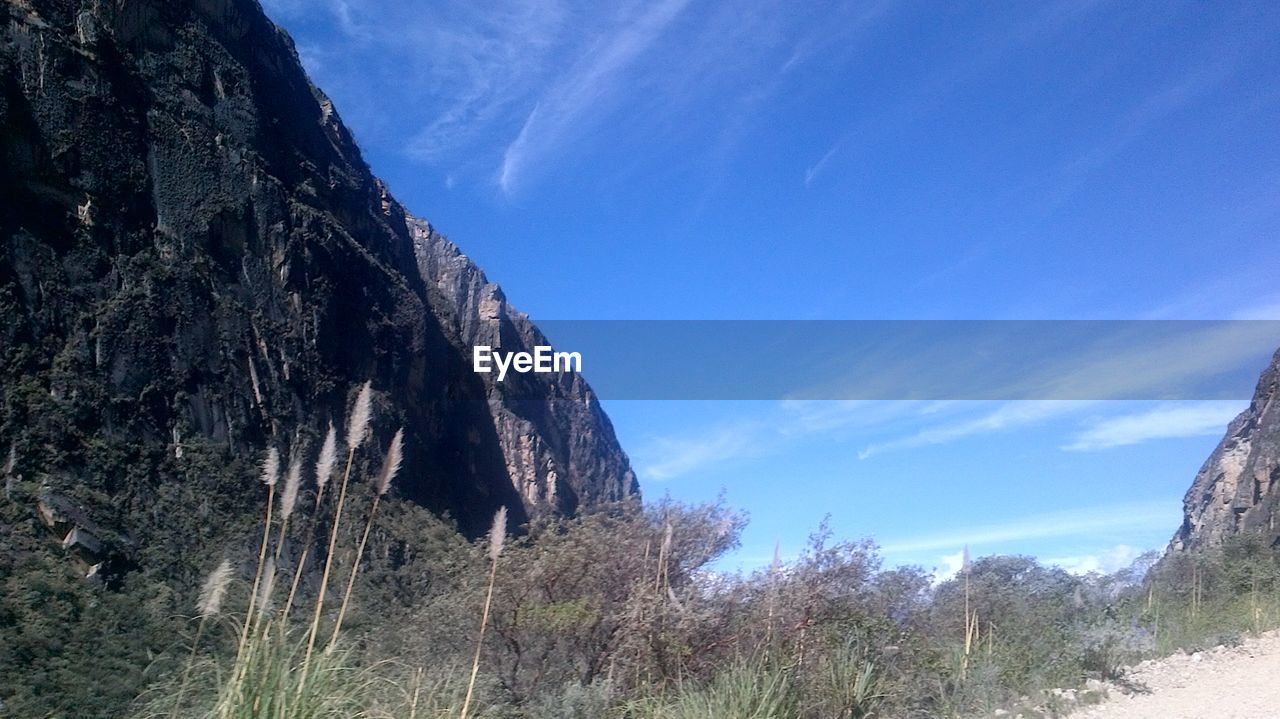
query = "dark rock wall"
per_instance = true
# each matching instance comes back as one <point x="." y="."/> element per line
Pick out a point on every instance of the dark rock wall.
<point x="195" y="250"/>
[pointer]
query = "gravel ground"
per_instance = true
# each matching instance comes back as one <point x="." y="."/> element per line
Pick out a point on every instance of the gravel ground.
<point x="1223" y="683"/>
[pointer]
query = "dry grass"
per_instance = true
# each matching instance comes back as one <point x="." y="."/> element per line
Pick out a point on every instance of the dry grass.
<point x="497" y="535"/>
<point x="275" y="673"/>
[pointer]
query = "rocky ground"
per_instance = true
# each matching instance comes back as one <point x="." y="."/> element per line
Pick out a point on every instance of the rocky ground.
<point x="1241" y="682"/>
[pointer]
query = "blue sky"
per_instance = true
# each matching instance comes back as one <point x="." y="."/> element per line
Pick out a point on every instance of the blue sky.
<point x="878" y="160"/>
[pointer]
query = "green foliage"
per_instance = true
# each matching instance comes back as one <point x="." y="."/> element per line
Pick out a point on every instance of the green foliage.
<point x="847" y="684"/>
<point x="748" y="690"/>
<point x="612" y="614"/>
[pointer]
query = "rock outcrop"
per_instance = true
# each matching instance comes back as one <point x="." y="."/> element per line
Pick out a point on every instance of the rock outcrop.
<point x="1238" y="488"/>
<point x="545" y="442"/>
<point x="196" y="255"/>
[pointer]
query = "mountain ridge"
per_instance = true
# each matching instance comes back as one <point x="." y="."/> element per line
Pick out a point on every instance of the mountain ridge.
<point x="1237" y="490"/>
<point x="197" y="250"/>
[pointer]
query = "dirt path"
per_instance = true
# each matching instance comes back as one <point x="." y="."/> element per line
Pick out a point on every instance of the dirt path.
<point x="1223" y="683"/>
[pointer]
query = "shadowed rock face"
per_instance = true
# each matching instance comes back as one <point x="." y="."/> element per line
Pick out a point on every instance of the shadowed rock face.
<point x="194" y="249"/>
<point x="1238" y="488"/>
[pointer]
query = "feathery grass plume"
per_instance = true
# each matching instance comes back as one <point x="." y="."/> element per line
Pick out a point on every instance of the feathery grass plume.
<point x="324" y="472"/>
<point x="268" y="585"/>
<point x="328" y="457"/>
<point x="208" y="604"/>
<point x="390" y="466"/>
<point x="288" y="501"/>
<point x="497" y="535"/>
<point x="214" y="590"/>
<point x="270" y="475"/>
<point x="292" y="483"/>
<point x="357" y="429"/>
<point x="271" y="467"/>
<point x="358" y="422"/>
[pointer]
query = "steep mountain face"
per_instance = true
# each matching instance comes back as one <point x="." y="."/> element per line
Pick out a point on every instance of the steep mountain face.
<point x="1238" y="488"/>
<point x="197" y="262"/>
<point x="545" y="443"/>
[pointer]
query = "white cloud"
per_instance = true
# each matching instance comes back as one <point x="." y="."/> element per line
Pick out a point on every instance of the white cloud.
<point x="787" y="422"/>
<point x="1105" y="562"/>
<point x="1087" y="521"/>
<point x="804" y="417"/>
<point x="949" y="565"/>
<point x="668" y="457"/>
<point x="1008" y="416"/>
<point x="583" y="88"/>
<point x="1137" y="361"/>
<point x="1164" y="422"/>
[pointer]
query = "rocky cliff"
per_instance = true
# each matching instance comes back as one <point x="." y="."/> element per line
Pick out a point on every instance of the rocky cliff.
<point x="1238" y="488"/>
<point x="197" y="262"/>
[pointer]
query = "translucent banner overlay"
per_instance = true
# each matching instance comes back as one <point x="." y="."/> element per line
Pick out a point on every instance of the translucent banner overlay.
<point x="911" y="360"/>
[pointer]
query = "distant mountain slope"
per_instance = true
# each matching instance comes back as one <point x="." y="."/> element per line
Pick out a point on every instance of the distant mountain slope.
<point x="1238" y="488"/>
<point x="196" y="256"/>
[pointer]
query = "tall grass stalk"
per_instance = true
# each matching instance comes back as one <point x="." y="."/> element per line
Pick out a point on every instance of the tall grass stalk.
<point x="497" y="535"/>
<point x="357" y="431"/>
<point x="324" y="472"/>
<point x="288" y="501"/>
<point x="971" y="627"/>
<point x="270" y="475"/>
<point x="275" y="673"/>
<point x="775" y="570"/>
<point x="417" y="691"/>
<point x="390" y="466"/>
<point x="208" y="604"/>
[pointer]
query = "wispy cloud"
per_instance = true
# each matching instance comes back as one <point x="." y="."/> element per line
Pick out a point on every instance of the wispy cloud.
<point x="812" y="171"/>
<point x="942" y="81"/>
<point x="1086" y="521"/>
<point x="437" y="81"/>
<point x="669" y="457"/>
<point x="584" y="87"/>
<point x="505" y="91"/>
<point x="1117" y="367"/>
<point x="1164" y="422"/>
<point x="784" y="424"/>
<point x="805" y="417"/>
<point x="1006" y="417"/>
<point x="1132" y="126"/>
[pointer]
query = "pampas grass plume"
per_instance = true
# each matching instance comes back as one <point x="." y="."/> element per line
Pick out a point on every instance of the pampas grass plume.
<point x="328" y="457"/>
<point x="271" y="467"/>
<point x="268" y="585"/>
<point x="214" y="590"/>
<point x="391" y="465"/>
<point x="292" y="483"/>
<point x="358" y="422"/>
<point x="497" y="533"/>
